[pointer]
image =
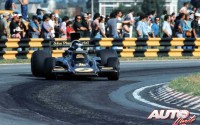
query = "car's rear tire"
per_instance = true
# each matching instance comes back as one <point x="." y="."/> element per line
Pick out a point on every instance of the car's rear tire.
<point x="105" y="55"/>
<point x="48" y="67"/>
<point x="37" y="62"/>
<point x="114" y="62"/>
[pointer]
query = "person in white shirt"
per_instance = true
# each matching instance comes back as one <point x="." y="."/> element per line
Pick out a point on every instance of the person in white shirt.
<point x="102" y="26"/>
<point x="63" y="27"/>
<point x="184" y="9"/>
<point x="130" y="17"/>
<point x="166" y="28"/>
<point x="52" y="24"/>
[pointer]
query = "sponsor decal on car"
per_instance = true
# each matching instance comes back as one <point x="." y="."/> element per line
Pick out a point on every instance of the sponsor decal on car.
<point x="84" y="70"/>
<point x="181" y="117"/>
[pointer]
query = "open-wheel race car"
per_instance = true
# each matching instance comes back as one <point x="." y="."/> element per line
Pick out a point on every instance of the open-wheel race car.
<point x="77" y="62"/>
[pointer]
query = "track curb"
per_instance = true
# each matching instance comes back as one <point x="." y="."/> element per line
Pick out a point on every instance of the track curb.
<point x="171" y="96"/>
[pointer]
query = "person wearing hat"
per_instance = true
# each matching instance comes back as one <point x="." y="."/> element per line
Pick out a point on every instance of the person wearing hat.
<point x="4" y="28"/>
<point x="195" y="26"/>
<point x="14" y="24"/>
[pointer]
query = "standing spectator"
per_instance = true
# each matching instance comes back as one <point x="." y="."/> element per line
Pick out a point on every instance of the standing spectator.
<point x="126" y="29"/>
<point x="195" y="26"/>
<point x="195" y="9"/>
<point x="86" y="24"/>
<point x="156" y="27"/>
<point x="78" y="27"/>
<point x="46" y="27"/>
<point x="52" y="23"/>
<point x="4" y="28"/>
<point x="24" y="8"/>
<point x="173" y="18"/>
<point x="112" y="24"/>
<point x="96" y="32"/>
<point x="89" y="16"/>
<point x="153" y="15"/>
<point x="57" y="26"/>
<point x="162" y="20"/>
<point x="130" y="17"/>
<point x="163" y="16"/>
<point x="34" y="27"/>
<point x="179" y="25"/>
<point x="63" y="27"/>
<point x="191" y="16"/>
<point x="107" y="18"/>
<point x="69" y="29"/>
<point x="166" y="28"/>
<point x="187" y="28"/>
<point x="102" y="26"/>
<point x="90" y="21"/>
<point x="145" y="27"/>
<point x="107" y="29"/>
<point x="10" y="5"/>
<point x="139" y="26"/>
<point x="184" y="9"/>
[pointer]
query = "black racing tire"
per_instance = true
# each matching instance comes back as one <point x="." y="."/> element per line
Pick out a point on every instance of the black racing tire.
<point x="105" y="54"/>
<point x="37" y="62"/>
<point x="49" y="65"/>
<point x="114" y="62"/>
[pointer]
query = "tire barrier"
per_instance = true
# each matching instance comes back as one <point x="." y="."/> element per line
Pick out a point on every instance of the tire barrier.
<point x="3" y="11"/>
<point x="128" y="47"/>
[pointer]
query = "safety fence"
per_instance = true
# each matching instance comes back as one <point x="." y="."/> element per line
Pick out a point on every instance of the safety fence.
<point x="128" y="47"/>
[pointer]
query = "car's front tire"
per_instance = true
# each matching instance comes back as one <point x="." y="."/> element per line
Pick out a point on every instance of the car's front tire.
<point x="37" y="62"/>
<point x="48" y="68"/>
<point x="114" y="62"/>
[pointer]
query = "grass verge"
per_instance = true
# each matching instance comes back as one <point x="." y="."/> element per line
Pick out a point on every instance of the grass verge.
<point x="15" y="61"/>
<point x="189" y="84"/>
<point x="159" y="58"/>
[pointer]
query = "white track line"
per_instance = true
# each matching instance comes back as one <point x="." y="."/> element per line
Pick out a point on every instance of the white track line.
<point x="136" y="95"/>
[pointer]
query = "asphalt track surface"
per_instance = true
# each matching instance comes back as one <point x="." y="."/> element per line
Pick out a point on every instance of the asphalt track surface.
<point x="27" y="100"/>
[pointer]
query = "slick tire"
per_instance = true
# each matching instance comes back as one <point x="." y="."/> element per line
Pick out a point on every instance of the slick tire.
<point x="37" y="62"/>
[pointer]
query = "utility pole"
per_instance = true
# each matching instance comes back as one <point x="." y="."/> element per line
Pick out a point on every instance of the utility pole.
<point x="0" y="4"/>
<point x="92" y="7"/>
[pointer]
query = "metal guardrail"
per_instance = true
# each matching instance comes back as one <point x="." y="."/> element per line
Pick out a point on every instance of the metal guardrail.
<point x="128" y="47"/>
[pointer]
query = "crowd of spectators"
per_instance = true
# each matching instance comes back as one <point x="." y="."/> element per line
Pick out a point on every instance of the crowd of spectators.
<point x="185" y="24"/>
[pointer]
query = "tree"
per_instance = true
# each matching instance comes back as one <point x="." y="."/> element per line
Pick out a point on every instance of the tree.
<point x="96" y="6"/>
<point x="195" y="3"/>
<point x="125" y="10"/>
<point x="150" y="5"/>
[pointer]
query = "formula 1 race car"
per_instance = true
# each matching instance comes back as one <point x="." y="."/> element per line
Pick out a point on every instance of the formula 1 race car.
<point x="77" y="62"/>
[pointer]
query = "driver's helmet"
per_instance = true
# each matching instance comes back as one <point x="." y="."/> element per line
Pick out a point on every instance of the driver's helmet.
<point x="76" y="44"/>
